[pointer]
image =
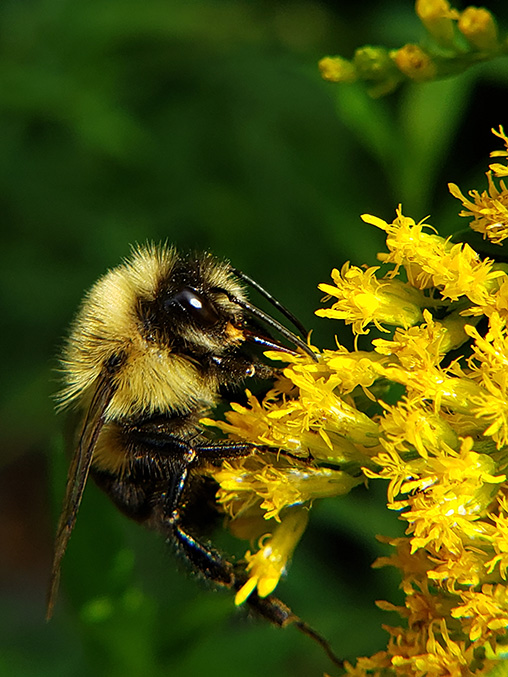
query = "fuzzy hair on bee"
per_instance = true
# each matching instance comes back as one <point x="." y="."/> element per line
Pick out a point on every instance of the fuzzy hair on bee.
<point x="156" y="343"/>
<point x="118" y="322"/>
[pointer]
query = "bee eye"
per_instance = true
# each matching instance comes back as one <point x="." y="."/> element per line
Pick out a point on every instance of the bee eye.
<point x="195" y="305"/>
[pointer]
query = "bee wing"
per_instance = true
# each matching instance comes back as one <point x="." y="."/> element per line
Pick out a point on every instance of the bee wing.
<point x="76" y="481"/>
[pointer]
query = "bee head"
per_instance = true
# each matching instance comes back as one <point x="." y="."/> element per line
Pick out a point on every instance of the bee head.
<point x="192" y="311"/>
<point x="156" y="328"/>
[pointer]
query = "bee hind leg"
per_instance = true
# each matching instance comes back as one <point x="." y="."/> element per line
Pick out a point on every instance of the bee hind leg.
<point x="217" y="569"/>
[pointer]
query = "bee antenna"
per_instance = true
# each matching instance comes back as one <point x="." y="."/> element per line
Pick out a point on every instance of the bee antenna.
<point x="277" y="304"/>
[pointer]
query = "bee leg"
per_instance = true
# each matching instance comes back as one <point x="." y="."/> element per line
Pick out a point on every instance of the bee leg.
<point x="217" y="569"/>
<point x="141" y="498"/>
<point x="216" y="453"/>
<point x="279" y="614"/>
<point x="213" y="566"/>
<point x="206" y="560"/>
<point x="203" y="558"/>
<point x="170" y="515"/>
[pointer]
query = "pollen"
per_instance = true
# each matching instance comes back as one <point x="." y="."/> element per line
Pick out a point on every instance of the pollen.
<point x="234" y="334"/>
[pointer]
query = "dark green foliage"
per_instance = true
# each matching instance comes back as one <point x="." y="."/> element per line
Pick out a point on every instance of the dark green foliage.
<point x="205" y="124"/>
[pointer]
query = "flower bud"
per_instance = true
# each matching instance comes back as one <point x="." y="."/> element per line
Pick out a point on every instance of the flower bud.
<point x="478" y="25"/>
<point x="414" y="63"/>
<point x="337" y="69"/>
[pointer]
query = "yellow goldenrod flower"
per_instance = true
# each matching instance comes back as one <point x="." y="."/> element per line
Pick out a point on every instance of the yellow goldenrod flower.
<point x="348" y="370"/>
<point x="275" y="550"/>
<point x="412" y="425"/>
<point x="413" y="565"/>
<point x="489" y="209"/>
<point x="489" y="367"/>
<point x="408" y="242"/>
<point x="438" y="655"/>
<point x="256" y="482"/>
<point x="496" y="168"/>
<point x="478" y="25"/>
<point x="316" y="423"/>
<point x="441" y="446"/>
<point x="499" y="539"/>
<point x="422" y="347"/>
<point x="362" y="299"/>
<point x="451" y="494"/>
<point x="467" y="566"/>
<point x="455" y="270"/>
<point x="484" y="613"/>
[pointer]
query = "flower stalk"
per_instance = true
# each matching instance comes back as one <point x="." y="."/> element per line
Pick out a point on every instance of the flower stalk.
<point x="453" y="42"/>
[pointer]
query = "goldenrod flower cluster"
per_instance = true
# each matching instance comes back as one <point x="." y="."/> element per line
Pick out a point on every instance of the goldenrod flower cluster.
<point x="455" y="40"/>
<point x="442" y="447"/>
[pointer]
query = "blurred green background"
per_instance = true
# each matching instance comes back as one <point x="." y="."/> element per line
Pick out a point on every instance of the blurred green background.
<point x="204" y="123"/>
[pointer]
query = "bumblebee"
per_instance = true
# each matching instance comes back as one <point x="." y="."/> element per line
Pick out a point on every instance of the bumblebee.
<point x="156" y="344"/>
